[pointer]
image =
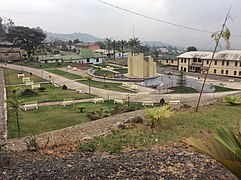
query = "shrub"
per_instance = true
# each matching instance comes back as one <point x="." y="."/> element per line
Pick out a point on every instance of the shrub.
<point x="158" y="114"/>
<point x="232" y="100"/>
<point x="28" y="92"/>
<point x="93" y="116"/>
<point x="81" y="108"/>
<point x="41" y="89"/>
<point x="59" y="63"/>
<point x="87" y="147"/>
<point x="64" y="87"/>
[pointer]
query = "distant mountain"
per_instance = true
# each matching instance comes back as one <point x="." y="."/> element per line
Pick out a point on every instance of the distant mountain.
<point x="155" y="43"/>
<point x="66" y="37"/>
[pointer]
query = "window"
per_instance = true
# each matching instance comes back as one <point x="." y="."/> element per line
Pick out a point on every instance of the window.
<point x="239" y="73"/>
<point x="172" y="61"/>
<point x="97" y="59"/>
<point x="236" y="63"/>
<point x="181" y="60"/>
<point x="185" y="60"/>
<point x="195" y="60"/>
<point x="226" y="71"/>
<point x="181" y="68"/>
<point x="166" y="61"/>
<point x="215" y="71"/>
<point x="215" y="62"/>
<point x="235" y="73"/>
<point x="88" y="60"/>
<point x="227" y="63"/>
<point x="221" y="71"/>
<point x="185" y="70"/>
<point x="199" y="60"/>
<point x="207" y="62"/>
<point x="222" y="63"/>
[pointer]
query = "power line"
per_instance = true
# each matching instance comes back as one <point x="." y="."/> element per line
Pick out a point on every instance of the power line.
<point x="158" y="20"/>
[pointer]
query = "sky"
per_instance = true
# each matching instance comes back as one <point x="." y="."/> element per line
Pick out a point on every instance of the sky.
<point x="101" y="20"/>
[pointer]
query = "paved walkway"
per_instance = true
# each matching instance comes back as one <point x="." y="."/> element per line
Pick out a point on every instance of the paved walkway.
<point x="134" y="97"/>
<point x="3" y="112"/>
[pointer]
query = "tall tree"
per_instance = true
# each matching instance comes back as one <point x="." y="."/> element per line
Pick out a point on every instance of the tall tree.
<point x="114" y="46"/>
<point x="108" y="44"/>
<point x="191" y="48"/>
<point x="4" y="25"/>
<point x="122" y="44"/>
<point x="181" y="81"/>
<point x="134" y="44"/>
<point x="76" y="41"/>
<point x="28" y="38"/>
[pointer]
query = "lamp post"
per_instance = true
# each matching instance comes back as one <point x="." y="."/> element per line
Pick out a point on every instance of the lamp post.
<point x="128" y="99"/>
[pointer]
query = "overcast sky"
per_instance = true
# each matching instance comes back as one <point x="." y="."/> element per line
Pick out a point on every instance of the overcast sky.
<point x="98" y="19"/>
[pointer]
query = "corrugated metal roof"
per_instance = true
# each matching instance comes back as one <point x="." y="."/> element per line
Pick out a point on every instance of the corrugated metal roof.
<point x="195" y="54"/>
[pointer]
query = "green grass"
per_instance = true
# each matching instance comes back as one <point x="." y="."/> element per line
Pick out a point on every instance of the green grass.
<point x="51" y="118"/>
<point x="47" y="65"/>
<point x="50" y="94"/>
<point x="223" y="89"/>
<point x="11" y="77"/>
<point x="183" y="90"/>
<point x="106" y="85"/>
<point x="183" y="124"/>
<point x="121" y="70"/>
<point x="64" y="74"/>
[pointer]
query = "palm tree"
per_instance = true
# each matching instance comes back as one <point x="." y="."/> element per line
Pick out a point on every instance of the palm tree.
<point x="108" y="44"/>
<point x="115" y="46"/>
<point x="89" y="78"/>
<point x="134" y="43"/>
<point x="222" y="145"/>
<point x="122" y="45"/>
<point x="14" y="107"/>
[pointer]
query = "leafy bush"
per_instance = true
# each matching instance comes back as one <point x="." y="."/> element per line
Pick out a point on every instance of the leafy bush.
<point x="28" y="92"/>
<point x="81" y="108"/>
<point x="64" y="87"/>
<point x="158" y="114"/>
<point x="93" y="116"/>
<point x="232" y="100"/>
<point x="41" y="89"/>
<point x="87" y="147"/>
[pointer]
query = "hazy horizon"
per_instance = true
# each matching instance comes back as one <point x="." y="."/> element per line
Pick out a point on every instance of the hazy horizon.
<point x="103" y="21"/>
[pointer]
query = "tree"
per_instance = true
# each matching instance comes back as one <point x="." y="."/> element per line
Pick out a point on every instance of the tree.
<point x="191" y="48"/>
<point x="76" y="41"/>
<point x="145" y="49"/>
<point x="28" y="38"/>
<point x="223" y="145"/>
<point x="101" y="44"/>
<point x="181" y="81"/>
<point x="14" y="106"/>
<point x="134" y="44"/>
<point x="122" y="44"/>
<point x="4" y="25"/>
<point x="89" y="78"/>
<point x="114" y="46"/>
<point x="108" y="45"/>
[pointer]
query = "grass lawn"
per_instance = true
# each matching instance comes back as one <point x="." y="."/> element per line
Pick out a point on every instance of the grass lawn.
<point x="64" y="74"/>
<point x="106" y="85"/>
<point x="51" y="94"/>
<point x="121" y="70"/>
<point x="183" y="90"/>
<point x="47" y="65"/>
<point x="183" y="124"/>
<point x="51" y="118"/>
<point x="11" y="77"/>
<point x="223" y="89"/>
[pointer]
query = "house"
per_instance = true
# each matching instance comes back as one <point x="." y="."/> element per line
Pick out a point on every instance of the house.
<point x="92" y="47"/>
<point x="85" y="56"/>
<point x="226" y="63"/>
<point x="8" y="53"/>
<point x="169" y="60"/>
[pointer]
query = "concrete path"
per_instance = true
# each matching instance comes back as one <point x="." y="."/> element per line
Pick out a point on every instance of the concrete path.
<point x="3" y="107"/>
<point x="135" y="97"/>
